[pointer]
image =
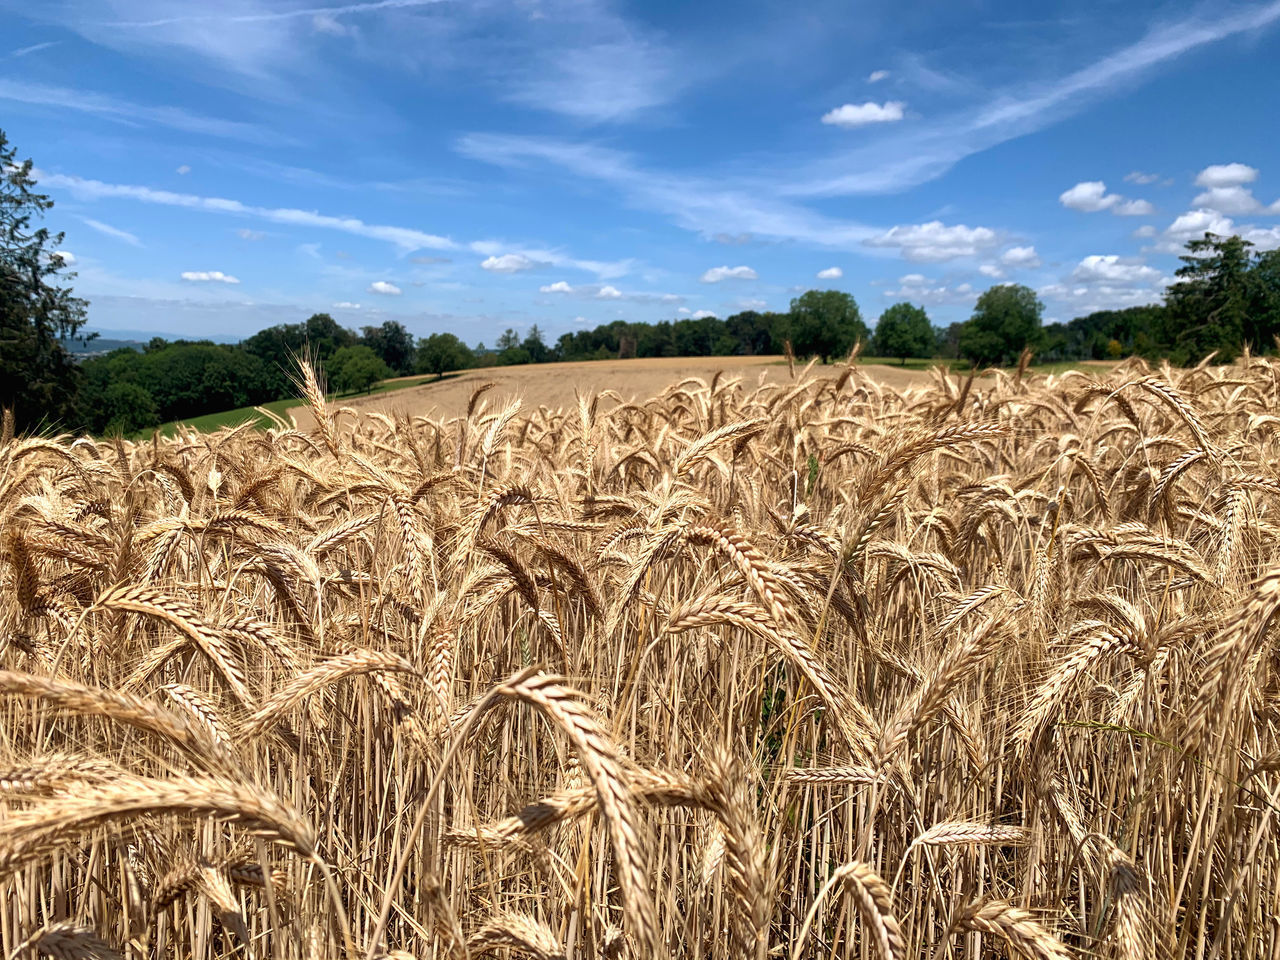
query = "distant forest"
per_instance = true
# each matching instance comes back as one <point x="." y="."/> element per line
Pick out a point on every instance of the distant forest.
<point x="1226" y="297"/>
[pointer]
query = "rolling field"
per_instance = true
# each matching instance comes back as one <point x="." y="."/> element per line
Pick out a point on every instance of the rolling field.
<point x="557" y="384"/>
<point x="705" y="661"/>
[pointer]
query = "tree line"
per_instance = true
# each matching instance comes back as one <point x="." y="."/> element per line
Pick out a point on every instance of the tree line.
<point x="1226" y="295"/>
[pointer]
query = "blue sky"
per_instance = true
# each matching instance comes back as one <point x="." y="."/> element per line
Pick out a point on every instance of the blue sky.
<point x="473" y="166"/>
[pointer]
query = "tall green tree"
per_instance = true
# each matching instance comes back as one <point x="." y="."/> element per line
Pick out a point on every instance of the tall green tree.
<point x="1264" y="301"/>
<point x="442" y="352"/>
<point x="904" y="331"/>
<point x="1005" y="320"/>
<point x="352" y="369"/>
<point x="826" y="323"/>
<point x="38" y="378"/>
<point x="393" y="343"/>
<point x="1209" y="305"/>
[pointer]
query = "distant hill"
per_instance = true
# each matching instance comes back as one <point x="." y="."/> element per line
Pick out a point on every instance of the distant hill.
<point x="108" y="340"/>
<point x="100" y="345"/>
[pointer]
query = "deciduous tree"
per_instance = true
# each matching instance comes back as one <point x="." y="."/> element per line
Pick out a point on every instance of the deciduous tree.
<point x="38" y="378"/>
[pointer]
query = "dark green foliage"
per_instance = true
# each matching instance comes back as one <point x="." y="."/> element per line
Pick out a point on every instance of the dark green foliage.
<point x="1005" y="320"/>
<point x="180" y="380"/>
<point x="825" y="323"/>
<point x="356" y="368"/>
<point x="126" y="408"/>
<point x="1135" y="329"/>
<point x="442" y="352"/>
<point x="38" y="377"/>
<point x="319" y="337"/>
<point x="904" y="331"/>
<point x="393" y="344"/>
<point x="1209" y="307"/>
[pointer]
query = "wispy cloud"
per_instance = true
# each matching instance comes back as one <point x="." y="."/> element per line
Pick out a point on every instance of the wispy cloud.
<point x="27" y="51"/>
<point x="270" y="16"/>
<point x="910" y="158"/>
<point x="114" y="232"/>
<point x="772" y="200"/>
<point x="405" y="238"/>
<point x="710" y="206"/>
<point x="124" y="111"/>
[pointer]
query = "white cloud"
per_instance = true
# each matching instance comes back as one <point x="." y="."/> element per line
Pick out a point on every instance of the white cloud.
<point x="581" y="320"/>
<point x="509" y="263"/>
<point x="1226" y="175"/>
<point x="558" y="287"/>
<point x="403" y="237"/>
<point x="861" y="114"/>
<point x="920" y="289"/>
<point x="114" y="232"/>
<point x="1017" y="257"/>
<point x="66" y="256"/>
<point x="716" y="274"/>
<point x="1107" y="282"/>
<point x="1145" y="231"/>
<point x="384" y="288"/>
<point x="1140" y="178"/>
<point x="991" y="270"/>
<point x="699" y="314"/>
<point x="608" y="293"/>
<point x="878" y="75"/>
<point x="752" y="303"/>
<point x="1133" y="208"/>
<point x="1262" y="239"/>
<point x="1110" y="268"/>
<point x="1233" y="200"/>
<point x="934" y="241"/>
<point x="208" y="276"/>
<point x="346" y="305"/>
<point x="244" y="233"/>
<point x="1090" y="196"/>
<point x="831" y="273"/>
<point x="183" y="170"/>
<point x="1194" y="224"/>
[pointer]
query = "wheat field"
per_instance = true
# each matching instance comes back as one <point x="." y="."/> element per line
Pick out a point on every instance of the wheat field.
<point x="815" y="668"/>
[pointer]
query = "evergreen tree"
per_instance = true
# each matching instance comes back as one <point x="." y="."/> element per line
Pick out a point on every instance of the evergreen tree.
<point x="1209" y="306"/>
